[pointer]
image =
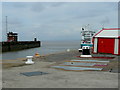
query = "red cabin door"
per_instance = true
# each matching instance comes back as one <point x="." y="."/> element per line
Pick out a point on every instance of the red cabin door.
<point x="106" y="45"/>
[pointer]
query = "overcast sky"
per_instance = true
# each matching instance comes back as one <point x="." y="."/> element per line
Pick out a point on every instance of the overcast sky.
<point x="57" y="20"/>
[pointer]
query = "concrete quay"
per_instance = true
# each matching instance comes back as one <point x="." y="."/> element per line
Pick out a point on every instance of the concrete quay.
<point x="58" y="78"/>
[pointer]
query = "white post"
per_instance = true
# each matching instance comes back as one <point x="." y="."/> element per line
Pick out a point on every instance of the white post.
<point x="116" y="46"/>
<point x="68" y="50"/>
<point x="95" y="45"/>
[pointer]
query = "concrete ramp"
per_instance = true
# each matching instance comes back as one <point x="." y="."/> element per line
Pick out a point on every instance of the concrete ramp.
<point x="76" y="68"/>
<point x="82" y="65"/>
<point x="78" y="64"/>
<point x="91" y="61"/>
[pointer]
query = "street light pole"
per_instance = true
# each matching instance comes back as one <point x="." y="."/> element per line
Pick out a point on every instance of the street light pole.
<point x="6" y="28"/>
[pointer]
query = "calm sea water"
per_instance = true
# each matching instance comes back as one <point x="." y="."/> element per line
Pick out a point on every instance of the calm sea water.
<point x="47" y="47"/>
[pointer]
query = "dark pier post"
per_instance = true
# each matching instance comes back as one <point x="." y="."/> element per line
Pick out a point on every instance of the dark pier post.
<point x="35" y="39"/>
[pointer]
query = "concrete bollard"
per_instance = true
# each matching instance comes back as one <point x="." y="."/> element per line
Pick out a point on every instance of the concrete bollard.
<point x="86" y="51"/>
<point x="29" y="60"/>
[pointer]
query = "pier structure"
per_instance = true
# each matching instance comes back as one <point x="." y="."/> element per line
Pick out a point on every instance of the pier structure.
<point x="13" y="44"/>
<point x="20" y="45"/>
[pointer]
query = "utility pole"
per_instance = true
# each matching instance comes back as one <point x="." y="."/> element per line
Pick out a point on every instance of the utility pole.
<point x="6" y="28"/>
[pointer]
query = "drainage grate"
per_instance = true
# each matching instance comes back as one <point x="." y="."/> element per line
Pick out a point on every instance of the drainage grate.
<point x="33" y="73"/>
<point x="78" y="64"/>
<point x="91" y="61"/>
<point x="76" y="68"/>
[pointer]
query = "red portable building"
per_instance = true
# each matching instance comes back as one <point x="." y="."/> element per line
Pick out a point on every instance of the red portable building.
<point x="107" y="41"/>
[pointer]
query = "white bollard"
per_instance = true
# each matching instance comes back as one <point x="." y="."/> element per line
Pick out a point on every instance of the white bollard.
<point x="86" y="51"/>
<point x="68" y="50"/>
<point x="29" y="60"/>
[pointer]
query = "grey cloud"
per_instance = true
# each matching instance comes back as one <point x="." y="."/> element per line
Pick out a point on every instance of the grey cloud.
<point x="56" y="4"/>
<point x="18" y="4"/>
<point x="106" y="20"/>
<point x="15" y="21"/>
<point x="56" y="20"/>
<point x="37" y="7"/>
<point x="89" y="13"/>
